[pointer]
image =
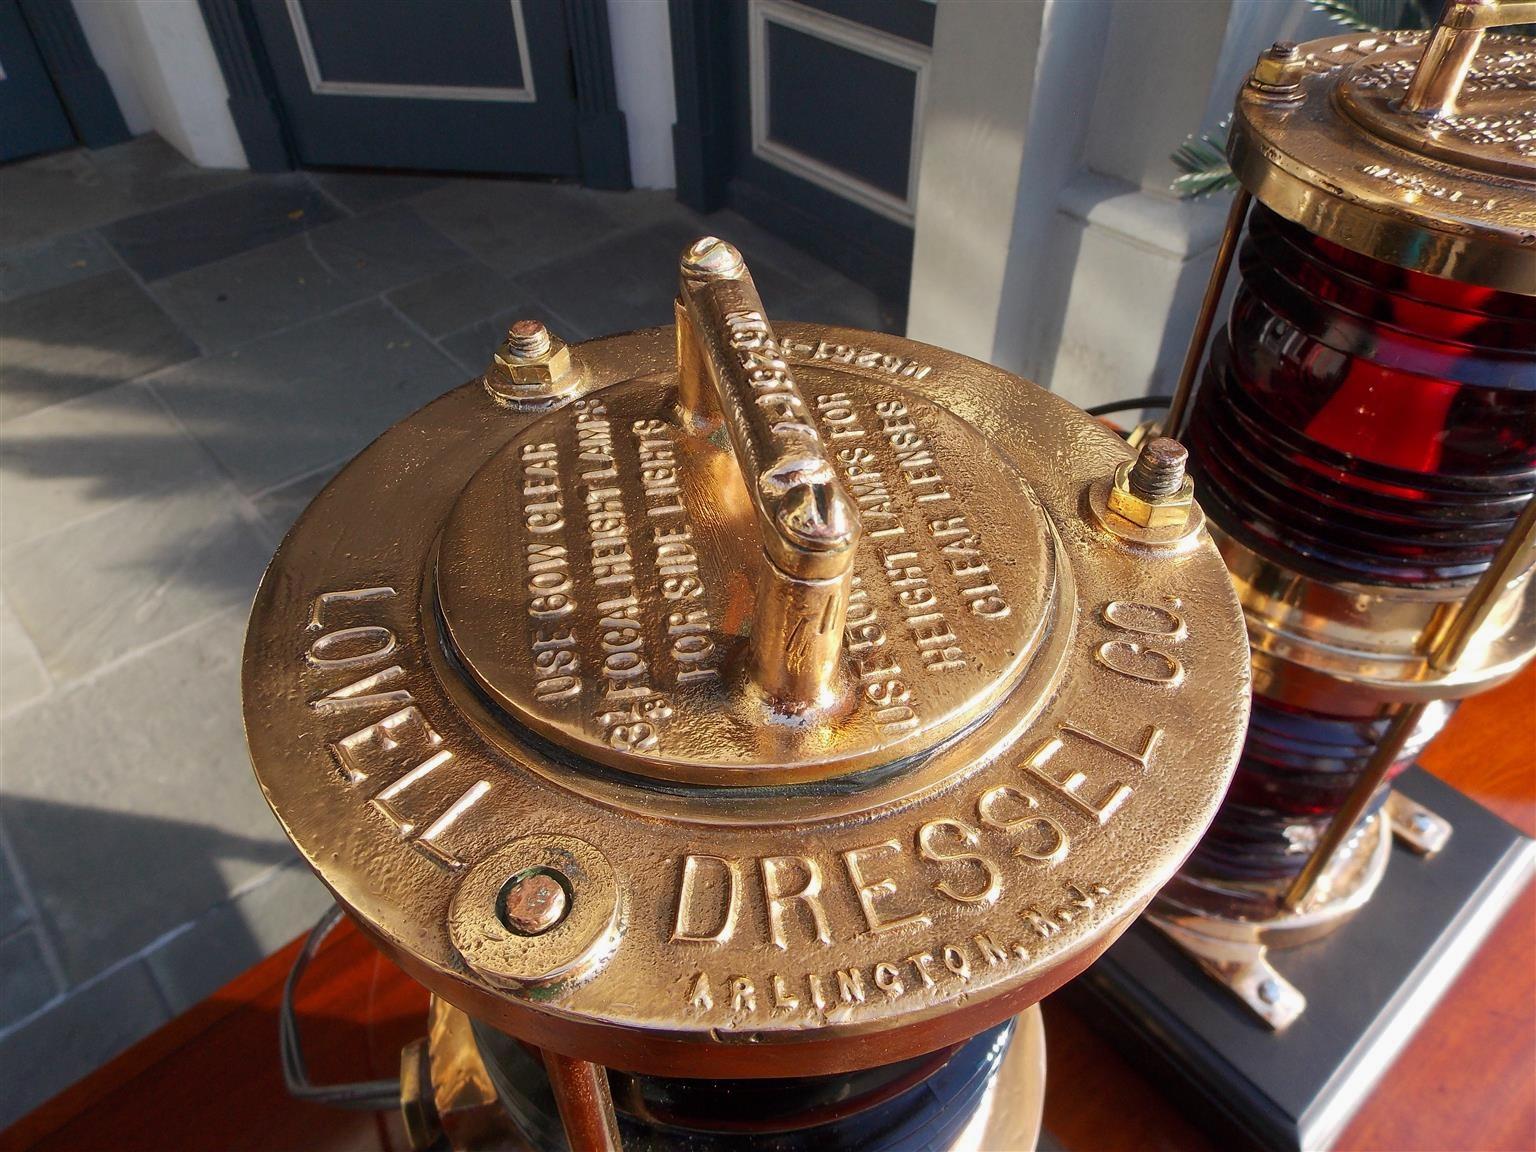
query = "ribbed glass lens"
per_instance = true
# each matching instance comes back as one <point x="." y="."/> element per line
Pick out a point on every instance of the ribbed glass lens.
<point x="1363" y="423"/>
<point x="1358" y="423"/>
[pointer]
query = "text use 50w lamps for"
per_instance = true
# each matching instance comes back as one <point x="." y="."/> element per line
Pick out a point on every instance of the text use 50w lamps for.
<point x="1365" y="439"/>
<point x="738" y="728"/>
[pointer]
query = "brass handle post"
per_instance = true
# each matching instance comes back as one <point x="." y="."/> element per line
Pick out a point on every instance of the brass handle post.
<point x="1452" y="45"/>
<point x="729" y="364"/>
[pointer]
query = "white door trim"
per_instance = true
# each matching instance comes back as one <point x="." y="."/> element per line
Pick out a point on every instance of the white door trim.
<point x="320" y="86"/>
<point x="859" y="38"/>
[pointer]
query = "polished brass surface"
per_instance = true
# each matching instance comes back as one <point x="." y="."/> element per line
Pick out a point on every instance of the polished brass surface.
<point x="1011" y="1113"/>
<point x="464" y="1101"/>
<point x="1231" y="929"/>
<point x="1042" y="708"/>
<point x="1449" y="190"/>
<point x="417" y="1111"/>
<point x="1437" y="82"/>
<point x="585" y="1102"/>
<point x="809" y="526"/>
<point x="1009" y="1116"/>
<point x="1355" y="649"/>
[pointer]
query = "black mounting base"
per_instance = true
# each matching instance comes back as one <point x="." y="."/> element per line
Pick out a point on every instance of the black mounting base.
<point x="1369" y="985"/>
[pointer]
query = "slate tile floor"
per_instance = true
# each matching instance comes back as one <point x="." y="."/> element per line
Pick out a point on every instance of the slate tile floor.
<point x="185" y="357"/>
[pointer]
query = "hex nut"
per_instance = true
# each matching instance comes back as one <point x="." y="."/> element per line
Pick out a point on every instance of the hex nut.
<point x="539" y="380"/>
<point x="1278" y="72"/>
<point x="1164" y="512"/>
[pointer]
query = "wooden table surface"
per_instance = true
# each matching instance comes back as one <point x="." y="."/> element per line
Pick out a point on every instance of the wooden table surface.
<point x="210" y="1079"/>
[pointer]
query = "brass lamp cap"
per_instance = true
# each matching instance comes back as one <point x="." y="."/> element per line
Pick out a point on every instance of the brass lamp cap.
<point x="1415" y="148"/>
<point x="745" y="700"/>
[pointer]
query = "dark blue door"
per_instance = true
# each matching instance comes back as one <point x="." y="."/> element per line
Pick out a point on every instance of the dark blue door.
<point x="472" y="85"/>
<point x="31" y="118"/>
<point x="827" y="126"/>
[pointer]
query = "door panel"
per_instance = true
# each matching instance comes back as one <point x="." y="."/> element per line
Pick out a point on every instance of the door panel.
<point x="477" y="86"/>
<point x="828" y="127"/>
<point x="31" y="118"/>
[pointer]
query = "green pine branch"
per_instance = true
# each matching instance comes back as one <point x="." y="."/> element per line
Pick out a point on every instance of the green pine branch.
<point x="1203" y="161"/>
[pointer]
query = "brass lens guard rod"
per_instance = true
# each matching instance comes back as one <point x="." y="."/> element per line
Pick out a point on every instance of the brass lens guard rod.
<point x="1510" y="563"/>
<point x="729" y="364"/>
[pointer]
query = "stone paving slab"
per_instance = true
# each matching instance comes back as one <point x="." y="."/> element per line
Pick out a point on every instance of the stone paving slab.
<point x="74" y="190"/>
<point x="105" y="586"/>
<point x="14" y="913"/>
<point x="384" y="249"/>
<point x="50" y="263"/>
<point x="81" y="337"/>
<point x="79" y="458"/>
<point x="288" y="403"/>
<point x="170" y="240"/>
<point x="129" y="800"/>
<point x="514" y="225"/>
<point x="363" y="191"/>
<point x="456" y="297"/>
<point x="23" y="678"/>
<point x="255" y="293"/>
<point x="25" y="982"/>
<point x="276" y="286"/>
<point x="55" y="1048"/>
<point x="259" y="920"/>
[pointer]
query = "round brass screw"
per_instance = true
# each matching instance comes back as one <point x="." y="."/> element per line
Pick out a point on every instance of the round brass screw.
<point x="713" y="257"/>
<point x="528" y="340"/>
<point x="533" y="902"/>
<point x="1159" y="469"/>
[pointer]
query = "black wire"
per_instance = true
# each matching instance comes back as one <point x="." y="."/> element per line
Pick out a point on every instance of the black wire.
<point x="366" y="1096"/>
<point x="1128" y="405"/>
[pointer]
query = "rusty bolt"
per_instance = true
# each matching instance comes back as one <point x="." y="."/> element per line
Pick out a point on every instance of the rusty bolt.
<point x="1154" y="491"/>
<point x="1278" y="72"/>
<point x="532" y="367"/>
<point x="528" y="340"/>
<point x="533" y="902"/>
<point x="1159" y="468"/>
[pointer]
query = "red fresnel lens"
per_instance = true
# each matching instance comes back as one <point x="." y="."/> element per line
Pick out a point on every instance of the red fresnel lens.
<point x="1363" y="441"/>
<point x="1358" y="423"/>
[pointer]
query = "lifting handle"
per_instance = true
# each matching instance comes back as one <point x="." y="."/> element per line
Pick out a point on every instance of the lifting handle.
<point x="1447" y="58"/>
<point x="730" y="366"/>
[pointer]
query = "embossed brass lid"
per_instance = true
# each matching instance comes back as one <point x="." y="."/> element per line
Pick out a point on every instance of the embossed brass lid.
<point x="739" y="700"/>
<point x="1411" y="147"/>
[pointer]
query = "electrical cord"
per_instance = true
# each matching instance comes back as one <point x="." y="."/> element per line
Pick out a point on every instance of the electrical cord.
<point x="1129" y="405"/>
<point x="364" y="1096"/>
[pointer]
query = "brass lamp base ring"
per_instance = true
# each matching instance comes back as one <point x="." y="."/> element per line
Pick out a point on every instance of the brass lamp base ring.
<point x="1229" y="930"/>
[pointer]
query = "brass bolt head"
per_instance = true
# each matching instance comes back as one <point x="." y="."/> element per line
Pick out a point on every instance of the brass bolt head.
<point x="532" y="366"/>
<point x="533" y="902"/>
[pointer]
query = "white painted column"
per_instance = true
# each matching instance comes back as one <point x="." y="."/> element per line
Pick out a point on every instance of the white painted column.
<point x="977" y="117"/>
<point x="1103" y="267"/>
<point x="642" y="68"/>
<point x="160" y="62"/>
